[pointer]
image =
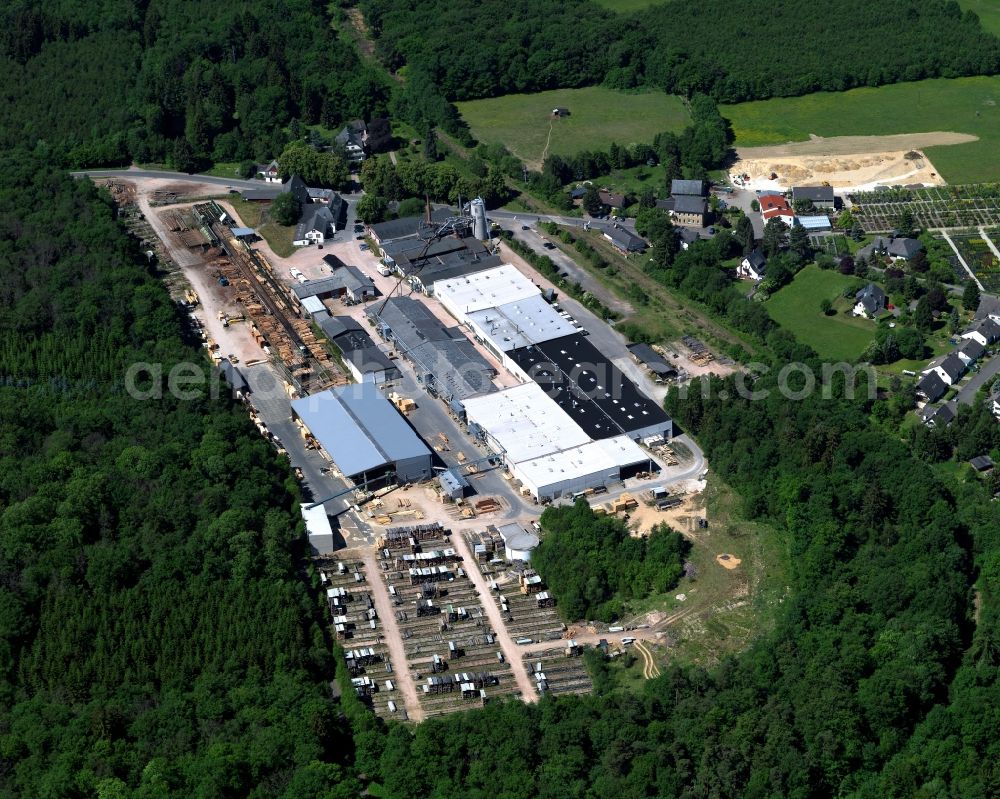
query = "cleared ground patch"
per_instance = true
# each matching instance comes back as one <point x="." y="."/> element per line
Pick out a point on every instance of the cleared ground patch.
<point x="796" y="307"/>
<point x="964" y="105"/>
<point x="524" y="123"/>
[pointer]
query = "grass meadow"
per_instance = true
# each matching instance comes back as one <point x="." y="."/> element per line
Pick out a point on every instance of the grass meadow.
<point x="598" y="117"/>
<point x="841" y="337"/>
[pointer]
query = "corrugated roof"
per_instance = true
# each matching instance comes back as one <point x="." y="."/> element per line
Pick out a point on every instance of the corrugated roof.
<point x="360" y="429"/>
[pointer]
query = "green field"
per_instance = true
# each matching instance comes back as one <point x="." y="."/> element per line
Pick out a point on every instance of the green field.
<point x="988" y="11"/>
<point x="841" y="337"/>
<point x="963" y="105"/>
<point x="598" y="117"/>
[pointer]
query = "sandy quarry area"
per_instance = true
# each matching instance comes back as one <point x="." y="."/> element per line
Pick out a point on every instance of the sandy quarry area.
<point x="856" y="163"/>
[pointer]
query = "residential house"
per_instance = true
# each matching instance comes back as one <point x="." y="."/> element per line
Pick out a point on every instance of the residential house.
<point x="577" y="193"/>
<point x="898" y="249"/>
<point x="989" y="308"/>
<point x="970" y="351"/>
<point x="931" y="387"/>
<point x="819" y="196"/>
<point x="269" y="173"/>
<point x="689" y="210"/>
<point x="994" y="400"/>
<point x="871" y="301"/>
<point x="981" y="463"/>
<point x="624" y="241"/>
<point x="985" y="331"/>
<point x="687" y="237"/>
<point x="752" y="266"/>
<point x="938" y="416"/>
<point x="611" y="199"/>
<point x="775" y="206"/>
<point x="949" y="368"/>
<point x="316" y="225"/>
<point x="351" y="140"/>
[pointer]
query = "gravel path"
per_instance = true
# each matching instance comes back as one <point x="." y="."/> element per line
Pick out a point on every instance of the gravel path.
<point x="510" y="650"/>
<point x="392" y="636"/>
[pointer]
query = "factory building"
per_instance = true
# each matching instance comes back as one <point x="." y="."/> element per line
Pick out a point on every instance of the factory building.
<point x="445" y="361"/>
<point x="364" y="435"/>
<point x="544" y="448"/>
<point x="592" y="390"/>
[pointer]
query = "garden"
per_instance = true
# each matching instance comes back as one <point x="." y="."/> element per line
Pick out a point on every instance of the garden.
<point x="933" y="207"/>
<point x="980" y="256"/>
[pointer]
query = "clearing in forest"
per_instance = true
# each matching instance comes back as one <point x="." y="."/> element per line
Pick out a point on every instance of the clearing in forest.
<point x="962" y="105"/>
<point x="597" y="117"/>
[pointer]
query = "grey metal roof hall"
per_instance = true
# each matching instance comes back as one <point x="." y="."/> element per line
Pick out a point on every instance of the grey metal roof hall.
<point x="682" y="187"/>
<point x="362" y="431"/>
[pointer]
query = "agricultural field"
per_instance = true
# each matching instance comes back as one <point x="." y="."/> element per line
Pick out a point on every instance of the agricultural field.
<point x="987" y="10"/>
<point x="840" y="337"/>
<point x="934" y="207"/>
<point x="963" y="105"/>
<point x="524" y="124"/>
<point x="980" y="256"/>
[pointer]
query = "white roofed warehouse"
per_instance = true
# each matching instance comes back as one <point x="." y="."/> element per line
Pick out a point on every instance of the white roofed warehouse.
<point x="544" y="448"/>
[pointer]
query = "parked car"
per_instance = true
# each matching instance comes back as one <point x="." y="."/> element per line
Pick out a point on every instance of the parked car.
<point x="525" y="227"/>
<point x="365" y="248"/>
<point x="549" y="245"/>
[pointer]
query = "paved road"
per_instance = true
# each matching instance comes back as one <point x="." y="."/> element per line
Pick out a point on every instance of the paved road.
<point x="133" y="173"/>
<point x="503" y="637"/>
<point x="967" y="394"/>
<point x="270" y="400"/>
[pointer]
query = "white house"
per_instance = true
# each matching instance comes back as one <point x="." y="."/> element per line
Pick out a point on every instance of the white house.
<point x="949" y="369"/>
<point x="985" y="331"/>
<point x="270" y="173"/>
<point x="871" y="301"/>
<point x="752" y="266"/>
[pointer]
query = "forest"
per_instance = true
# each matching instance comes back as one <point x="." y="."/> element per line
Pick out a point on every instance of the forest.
<point x="593" y="564"/>
<point x="158" y="634"/>
<point x="728" y="49"/>
<point x="184" y="82"/>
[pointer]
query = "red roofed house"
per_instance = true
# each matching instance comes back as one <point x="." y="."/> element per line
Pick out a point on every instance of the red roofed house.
<point x="775" y="206"/>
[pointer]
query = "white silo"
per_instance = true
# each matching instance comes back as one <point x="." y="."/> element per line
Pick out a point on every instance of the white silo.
<point x="480" y="225"/>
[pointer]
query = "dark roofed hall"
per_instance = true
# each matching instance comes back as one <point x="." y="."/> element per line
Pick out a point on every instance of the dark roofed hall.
<point x="652" y="360"/>
<point x="624" y="240"/>
<point x="407" y="226"/>
<point x="815" y="194"/>
<point x="981" y="463"/>
<point x="687" y="187"/>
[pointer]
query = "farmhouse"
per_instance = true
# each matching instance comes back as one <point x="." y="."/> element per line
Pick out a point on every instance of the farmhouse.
<point x="624" y="241"/>
<point x="363" y="434"/>
<point x="819" y="196"/>
<point x="752" y="266"/>
<point x="269" y="173"/>
<point x="691" y="188"/>
<point x="611" y="199"/>
<point x="871" y="301"/>
<point x="316" y="225"/>
<point x="352" y="140"/>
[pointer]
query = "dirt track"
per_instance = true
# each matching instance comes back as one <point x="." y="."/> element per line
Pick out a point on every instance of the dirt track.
<point x="393" y="639"/>
<point x="856" y="145"/>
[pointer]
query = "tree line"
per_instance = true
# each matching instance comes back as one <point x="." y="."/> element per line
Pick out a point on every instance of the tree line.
<point x="728" y="49"/>
<point x="159" y="635"/>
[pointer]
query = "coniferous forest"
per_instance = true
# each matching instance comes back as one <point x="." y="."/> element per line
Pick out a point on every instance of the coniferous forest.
<point x="160" y="629"/>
